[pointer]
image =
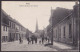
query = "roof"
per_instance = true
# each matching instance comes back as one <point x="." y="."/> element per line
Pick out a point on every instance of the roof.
<point x="7" y="17"/>
<point x="58" y="14"/>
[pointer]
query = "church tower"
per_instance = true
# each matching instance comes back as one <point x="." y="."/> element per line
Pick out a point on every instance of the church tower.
<point x="36" y="26"/>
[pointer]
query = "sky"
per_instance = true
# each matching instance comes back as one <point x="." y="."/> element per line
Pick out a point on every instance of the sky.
<point x="27" y="12"/>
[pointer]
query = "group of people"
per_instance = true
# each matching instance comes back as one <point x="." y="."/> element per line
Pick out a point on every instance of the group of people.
<point x="33" y="40"/>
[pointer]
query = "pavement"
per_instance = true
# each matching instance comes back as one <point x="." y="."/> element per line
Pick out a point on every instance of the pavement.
<point x="63" y="47"/>
<point x="15" y="46"/>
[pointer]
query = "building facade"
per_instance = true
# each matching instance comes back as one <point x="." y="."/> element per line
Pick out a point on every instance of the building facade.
<point x="4" y="32"/>
<point x="65" y="25"/>
<point x="11" y="29"/>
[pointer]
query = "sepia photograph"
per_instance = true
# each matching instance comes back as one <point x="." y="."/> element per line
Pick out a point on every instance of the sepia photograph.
<point x="40" y="26"/>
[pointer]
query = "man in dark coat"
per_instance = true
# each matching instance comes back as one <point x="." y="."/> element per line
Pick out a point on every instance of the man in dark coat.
<point x="35" y="39"/>
<point x="28" y="39"/>
<point x="32" y="39"/>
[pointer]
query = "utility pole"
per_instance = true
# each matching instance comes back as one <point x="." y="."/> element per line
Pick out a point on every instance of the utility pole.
<point x="51" y="27"/>
<point x="78" y="25"/>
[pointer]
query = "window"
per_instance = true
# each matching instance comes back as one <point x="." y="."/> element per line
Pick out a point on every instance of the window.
<point x="14" y="26"/>
<point x="64" y="32"/>
<point x="3" y="38"/>
<point x="9" y="23"/>
<point x="70" y="35"/>
<point x="3" y="28"/>
<point x="56" y="33"/>
<point x="16" y="36"/>
<point x="6" y="28"/>
<point x="60" y="33"/>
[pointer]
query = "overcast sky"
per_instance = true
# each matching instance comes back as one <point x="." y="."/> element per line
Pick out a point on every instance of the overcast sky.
<point x="26" y="12"/>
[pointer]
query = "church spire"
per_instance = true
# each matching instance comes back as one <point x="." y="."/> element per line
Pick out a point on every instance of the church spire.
<point x="36" y="25"/>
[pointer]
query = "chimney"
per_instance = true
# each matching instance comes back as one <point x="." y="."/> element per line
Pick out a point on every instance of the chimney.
<point x="75" y="8"/>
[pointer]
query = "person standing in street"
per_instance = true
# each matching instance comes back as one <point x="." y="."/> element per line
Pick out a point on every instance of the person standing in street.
<point x="28" y="39"/>
<point x="20" y="40"/>
<point x="39" y="41"/>
<point x="48" y="40"/>
<point x="35" y="39"/>
<point x="42" y="40"/>
<point x="32" y="39"/>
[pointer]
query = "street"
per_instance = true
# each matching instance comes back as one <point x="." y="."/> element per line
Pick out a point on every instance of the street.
<point x="15" y="46"/>
<point x="40" y="26"/>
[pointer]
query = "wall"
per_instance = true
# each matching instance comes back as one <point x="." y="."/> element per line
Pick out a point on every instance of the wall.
<point x="4" y="33"/>
<point x="58" y="31"/>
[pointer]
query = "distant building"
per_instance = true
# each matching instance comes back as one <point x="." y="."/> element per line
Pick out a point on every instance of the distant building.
<point x="65" y="25"/>
<point x="38" y="32"/>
